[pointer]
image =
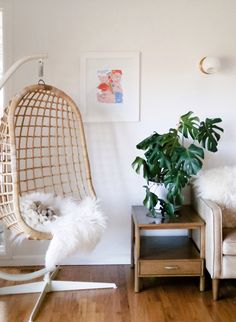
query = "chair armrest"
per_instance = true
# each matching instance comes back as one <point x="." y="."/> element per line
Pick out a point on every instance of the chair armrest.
<point x="211" y="213"/>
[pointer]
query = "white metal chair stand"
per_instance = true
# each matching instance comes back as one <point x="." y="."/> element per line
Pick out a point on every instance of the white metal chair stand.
<point x="45" y="286"/>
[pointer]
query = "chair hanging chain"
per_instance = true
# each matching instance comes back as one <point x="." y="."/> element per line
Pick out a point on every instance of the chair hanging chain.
<point x="40" y="72"/>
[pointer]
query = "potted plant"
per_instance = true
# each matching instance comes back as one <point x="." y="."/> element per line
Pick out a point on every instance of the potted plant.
<point x="172" y="158"/>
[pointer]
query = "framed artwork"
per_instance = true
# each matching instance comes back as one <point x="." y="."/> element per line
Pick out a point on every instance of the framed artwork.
<point x="109" y="86"/>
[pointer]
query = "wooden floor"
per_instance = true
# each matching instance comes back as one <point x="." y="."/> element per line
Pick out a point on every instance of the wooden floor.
<point x="163" y="299"/>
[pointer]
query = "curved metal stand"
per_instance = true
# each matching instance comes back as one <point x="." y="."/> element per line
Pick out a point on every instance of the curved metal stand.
<point x="17" y="64"/>
<point x="45" y="286"/>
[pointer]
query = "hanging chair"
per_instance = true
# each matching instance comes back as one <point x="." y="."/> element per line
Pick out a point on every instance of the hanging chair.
<point x="42" y="148"/>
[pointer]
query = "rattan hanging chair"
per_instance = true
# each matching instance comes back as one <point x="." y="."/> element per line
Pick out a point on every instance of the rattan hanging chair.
<point x="42" y="148"/>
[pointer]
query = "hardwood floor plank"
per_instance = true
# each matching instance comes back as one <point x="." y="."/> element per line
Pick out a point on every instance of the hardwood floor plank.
<point x="162" y="299"/>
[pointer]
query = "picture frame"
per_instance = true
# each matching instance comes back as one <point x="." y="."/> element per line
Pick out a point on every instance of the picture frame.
<point x="109" y="86"/>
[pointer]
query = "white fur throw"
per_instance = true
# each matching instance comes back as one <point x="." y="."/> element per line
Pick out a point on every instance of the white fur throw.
<point x="219" y="185"/>
<point x="75" y="226"/>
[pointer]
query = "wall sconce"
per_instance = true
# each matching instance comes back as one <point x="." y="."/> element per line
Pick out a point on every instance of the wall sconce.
<point x="209" y="65"/>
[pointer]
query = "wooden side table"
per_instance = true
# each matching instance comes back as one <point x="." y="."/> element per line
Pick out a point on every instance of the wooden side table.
<point x="166" y="255"/>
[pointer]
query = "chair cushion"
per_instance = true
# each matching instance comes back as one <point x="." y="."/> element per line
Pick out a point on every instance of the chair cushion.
<point x="228" y="217"/>
<point x="229" y="241"/>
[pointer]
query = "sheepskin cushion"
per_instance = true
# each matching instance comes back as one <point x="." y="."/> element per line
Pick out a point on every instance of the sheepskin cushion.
<point x="219" y="185"/>
<point x="75" y="226"/>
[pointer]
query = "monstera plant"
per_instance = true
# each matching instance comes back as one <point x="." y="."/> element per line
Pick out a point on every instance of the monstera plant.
<point x="172" y="158"/>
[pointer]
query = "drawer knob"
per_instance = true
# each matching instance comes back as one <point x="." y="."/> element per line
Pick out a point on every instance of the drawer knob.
<point x="171" y="267"/>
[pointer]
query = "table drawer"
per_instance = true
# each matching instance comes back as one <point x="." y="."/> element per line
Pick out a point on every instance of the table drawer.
<point x="170" y="267"/>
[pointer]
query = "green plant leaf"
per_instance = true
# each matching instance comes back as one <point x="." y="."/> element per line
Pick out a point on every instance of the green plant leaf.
<point x="170" y="141"/>
<point x="179" y="199"/>
<point x="190" y="159"/>
<point x="163" y="160"/>
<point x="149" y="141"/>
<point x="169" y="208"/>
<point x="166" y="207"/>
<point x="174" y="181"/>
<point x="150" y="200"/>
<point x="137" y="164"/>
<point x="154" y="169"/>
<point x="209" y="134"/>
<point x="152" y="154"/>
<point x="189" y="125"/>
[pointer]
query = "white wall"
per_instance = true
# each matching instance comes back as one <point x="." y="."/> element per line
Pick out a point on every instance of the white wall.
<point x="172" y="37"/>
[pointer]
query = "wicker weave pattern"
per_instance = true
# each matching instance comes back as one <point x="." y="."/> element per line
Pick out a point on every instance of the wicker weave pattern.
<point x="6" y="184"/>
<point x="42" y="149"/>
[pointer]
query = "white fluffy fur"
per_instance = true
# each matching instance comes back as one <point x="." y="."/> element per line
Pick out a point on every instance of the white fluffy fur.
<point x="219" y="185"/>
<point x="75" y="226"/>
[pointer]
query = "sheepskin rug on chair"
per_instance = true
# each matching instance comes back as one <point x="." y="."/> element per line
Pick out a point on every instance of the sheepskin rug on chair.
<point x="219" y="185"/>
<point x="75" y="225"/>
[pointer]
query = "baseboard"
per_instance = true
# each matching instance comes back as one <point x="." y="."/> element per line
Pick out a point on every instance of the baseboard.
<point x="105" y="259"/>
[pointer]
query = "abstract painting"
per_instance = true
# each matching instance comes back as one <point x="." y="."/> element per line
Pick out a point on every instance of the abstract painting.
<point x="109" y="89"/>
<point x="109" y="86"/>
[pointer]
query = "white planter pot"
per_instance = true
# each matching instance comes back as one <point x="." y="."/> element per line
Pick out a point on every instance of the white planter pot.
<point x="158" y="189"/>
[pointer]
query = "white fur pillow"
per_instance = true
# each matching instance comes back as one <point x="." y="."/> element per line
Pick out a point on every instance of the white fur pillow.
<point x="75" y="226"/>
<point x="219" y="185"/>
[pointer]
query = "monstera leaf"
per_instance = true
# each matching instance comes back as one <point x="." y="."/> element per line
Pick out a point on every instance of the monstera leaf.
<point x="209" y="134"/>
<point x="150" y="200"/>
<point x="177" y="199"/>
<point x="190" y="159"/>
<point x="157" y="162"/>
<point x="189" y="125"/>
<point x="174" y="181"/>
<point x="166" y="207"/>
<point x="138" y="163"/>
<point x="148" y="142"/>
<point x="170" y="141"/>
<point x="151" y="171"/>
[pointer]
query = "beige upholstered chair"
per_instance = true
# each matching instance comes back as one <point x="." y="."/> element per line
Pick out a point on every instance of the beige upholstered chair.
<point x="220" y="241"/>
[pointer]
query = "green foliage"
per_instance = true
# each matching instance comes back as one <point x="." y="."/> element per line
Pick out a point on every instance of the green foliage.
<point x="189" y="125"/>
<point x="150" y="200"/>
<point x="190" y="159"/>
<point x="209" y="134"/>
<point x="166" y="159"/>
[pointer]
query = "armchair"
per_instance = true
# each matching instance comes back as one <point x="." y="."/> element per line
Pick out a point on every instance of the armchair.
<point x="220" y="250"/>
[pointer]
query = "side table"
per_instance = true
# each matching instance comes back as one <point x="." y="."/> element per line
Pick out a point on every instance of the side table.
<point x="166" y="255"/>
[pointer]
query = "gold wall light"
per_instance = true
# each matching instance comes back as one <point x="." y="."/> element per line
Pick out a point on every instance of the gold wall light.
<point x="209" y="65"/>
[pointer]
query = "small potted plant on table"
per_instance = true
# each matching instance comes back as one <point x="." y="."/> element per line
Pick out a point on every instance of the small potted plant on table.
<point x="172" y="158"/>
